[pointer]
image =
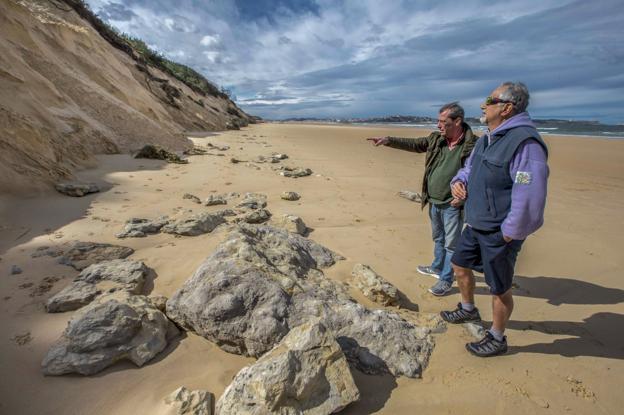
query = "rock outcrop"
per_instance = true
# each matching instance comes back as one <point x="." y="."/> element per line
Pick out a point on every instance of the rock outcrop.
<point x="80" y="255"/>
<point x="77" y="189"/>
<point x="306" y="373"/>
<point x="98" y="279"/>
<point x="107" y="331"/>
<point x="375" y="287"/>
<point x="183" y="401"/>
<point x="262" y="281"/>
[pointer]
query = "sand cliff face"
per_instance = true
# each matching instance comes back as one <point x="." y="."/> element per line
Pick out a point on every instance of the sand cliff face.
<point x="67" y="94"/>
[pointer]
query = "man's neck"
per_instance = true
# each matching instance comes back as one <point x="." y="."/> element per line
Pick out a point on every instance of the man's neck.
<point x="452" y="142"/>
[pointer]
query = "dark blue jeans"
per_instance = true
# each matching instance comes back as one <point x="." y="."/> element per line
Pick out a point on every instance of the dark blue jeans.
<point x="446" y="226"/>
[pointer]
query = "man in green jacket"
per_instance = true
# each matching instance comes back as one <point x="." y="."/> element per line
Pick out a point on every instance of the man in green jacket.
<point x="447" y="150"/>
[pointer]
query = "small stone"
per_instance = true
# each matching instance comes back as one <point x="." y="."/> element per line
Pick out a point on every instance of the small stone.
<point x="413" y="196"/>
<point x="292" y="196"/>
<point x="76" y="189"/>
<point x="191" y="197"/>
<point x="375" y="287"/>
<point x="292" y="224"/>
<point x="183" y="401"/>
<point x="15" y="270"/>
<point x="213" y="200"/>
<point x="476" y="330"/>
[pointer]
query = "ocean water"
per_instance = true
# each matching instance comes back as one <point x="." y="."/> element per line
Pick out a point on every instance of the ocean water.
<point x="562" y="128"/>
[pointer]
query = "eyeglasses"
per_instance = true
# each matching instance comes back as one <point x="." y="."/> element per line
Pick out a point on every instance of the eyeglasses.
<point x="494" y="101"/>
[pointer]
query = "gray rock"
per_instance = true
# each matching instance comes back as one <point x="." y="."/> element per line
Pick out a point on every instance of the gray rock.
<point x="213" y="200"/>
<point x="375" y="287"/>
<point x="15" y="270"/>
<point x="192" y="198"/>
<point x="261" y="281"/>
<point x="476" y="330"/>
<point x="195" y="224"/>
<point x="159" y="301"/>
<point x="295" y="172"/>
<point x="97" y="279"/>
<point x="413" y="196"/>
<point x="218" y="147"/>
<point x="125" y="328"/>
<point x="139" y="228"/>
<point x="77" y="189"/>
<point x="253" y="201"/>
<point x="306" y="373"/>
<point x="183" y="401"/>
<point x="292" y="196"/>
<point x="80" y="255"/>
<point x="256" y="216"/>
<point x="291" y="223"/>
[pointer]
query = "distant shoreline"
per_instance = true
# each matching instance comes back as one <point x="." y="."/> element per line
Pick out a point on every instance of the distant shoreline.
<point x="551" y="131"/>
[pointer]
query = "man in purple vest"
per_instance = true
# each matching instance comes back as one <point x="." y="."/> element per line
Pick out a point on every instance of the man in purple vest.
<point x="504" y="187"/>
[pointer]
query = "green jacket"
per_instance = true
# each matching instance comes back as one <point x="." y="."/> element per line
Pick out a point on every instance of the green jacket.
<point x="431" y="145"/>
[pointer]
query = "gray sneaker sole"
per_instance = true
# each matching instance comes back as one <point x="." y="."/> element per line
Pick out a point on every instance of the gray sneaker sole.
<point x="430" y="274"/>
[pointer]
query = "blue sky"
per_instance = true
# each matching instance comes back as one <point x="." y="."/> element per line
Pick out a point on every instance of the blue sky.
<point x="331" y="58"/>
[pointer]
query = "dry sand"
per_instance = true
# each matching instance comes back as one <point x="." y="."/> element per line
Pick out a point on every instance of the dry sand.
<point x="566" y="342"/>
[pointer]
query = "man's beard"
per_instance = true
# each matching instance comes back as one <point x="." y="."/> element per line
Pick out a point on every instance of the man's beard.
<point x="483" y="120"/>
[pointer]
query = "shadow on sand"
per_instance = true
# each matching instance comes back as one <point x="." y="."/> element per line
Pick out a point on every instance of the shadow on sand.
<point x="599" y="335"/>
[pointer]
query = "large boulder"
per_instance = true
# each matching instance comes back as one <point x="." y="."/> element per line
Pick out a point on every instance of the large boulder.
<point x="77" y="189"/>
<point x="262" y="281"/>
<point x="97" y="279"/>
<point x="306" y="373"/>
<point x="127" y="327"/>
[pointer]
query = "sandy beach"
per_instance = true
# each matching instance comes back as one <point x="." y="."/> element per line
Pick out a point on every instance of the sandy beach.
<point x="566" y="342"/>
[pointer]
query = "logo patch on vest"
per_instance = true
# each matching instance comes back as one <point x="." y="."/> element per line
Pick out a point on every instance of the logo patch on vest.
<point x="523" y="177"/>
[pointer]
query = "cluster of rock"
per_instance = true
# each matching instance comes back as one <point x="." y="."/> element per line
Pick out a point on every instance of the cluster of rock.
<point x="272" y="158"/>
<point x="263" y="281"/>
<point x="150" y="151"/>
<point x="114" y="328"/>
<point x="76" y="189"/>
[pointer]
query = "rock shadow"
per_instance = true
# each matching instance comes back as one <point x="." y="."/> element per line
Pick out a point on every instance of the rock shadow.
<point x="406" y="303"/>
<point x="599" y="335"/>
<point x="557" y="290"/>
<point x="148" y="285"/>
<point x="375" y="390"/>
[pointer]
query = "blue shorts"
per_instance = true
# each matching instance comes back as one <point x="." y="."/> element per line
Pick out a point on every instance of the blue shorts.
<point x="487" y="252"/>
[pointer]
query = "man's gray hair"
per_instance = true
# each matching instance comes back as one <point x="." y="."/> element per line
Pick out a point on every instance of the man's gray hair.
<point x="517" y="93"/>
<point x="455" y="110"/>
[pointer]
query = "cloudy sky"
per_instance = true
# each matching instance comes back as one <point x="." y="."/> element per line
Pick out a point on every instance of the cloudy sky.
<point x="360" y="58"/>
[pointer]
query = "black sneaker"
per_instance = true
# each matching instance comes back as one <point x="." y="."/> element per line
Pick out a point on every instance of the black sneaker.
<point x="459" y="315"/>
<point x="488" y="346"/>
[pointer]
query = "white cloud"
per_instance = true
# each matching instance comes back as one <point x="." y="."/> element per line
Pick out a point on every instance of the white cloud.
<point x="209" y="40"/>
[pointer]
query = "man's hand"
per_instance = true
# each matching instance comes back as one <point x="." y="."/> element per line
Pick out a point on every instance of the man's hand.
<point x="456" y="203"/>
<point x="458" y="190"/>
<point x="507" y="239"/>
<point x="379" y="141"/>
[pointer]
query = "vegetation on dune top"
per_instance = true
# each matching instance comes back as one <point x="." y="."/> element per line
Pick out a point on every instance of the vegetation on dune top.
<point x="140" y="52"/>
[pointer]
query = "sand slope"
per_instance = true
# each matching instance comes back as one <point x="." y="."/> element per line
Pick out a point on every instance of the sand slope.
<point x="566" y="353"/>
<point x="67" y="94"/>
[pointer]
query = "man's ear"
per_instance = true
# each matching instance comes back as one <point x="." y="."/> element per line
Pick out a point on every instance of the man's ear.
<point x="507" y="112"/>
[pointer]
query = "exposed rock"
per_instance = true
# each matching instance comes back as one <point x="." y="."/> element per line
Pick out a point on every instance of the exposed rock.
<point x="213" y="200"/>
<point x="375" y="287"/>
<point x="76" y="189"/>
<point x="306" y="373"/>
<point x="292" y="196"/>
<point x="98" y="279"/>
<point x="195" y="224"/>
<point x="413" y="196"/>
<point x="295" y="172"/>
<point x="256" y="216"/>
<point x="476" y="330"/>
<point x="150" y="151"/>
<point x="195" y="151"/>
<point x="138" y="227"/>
<point x="253" y="201"/>
<point x="234" y="160"/>
<point x="292" y="223"/>
<point x="15" y="270"/>
<point x="125" y="328"/>
<point x="261" y="281"/>
<point x="80" y="255"/>
<point x="273" y="158"/>
<point x="191" y="197"/>
<point x="183" y="401"/>
<point x="159" y="301"/>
